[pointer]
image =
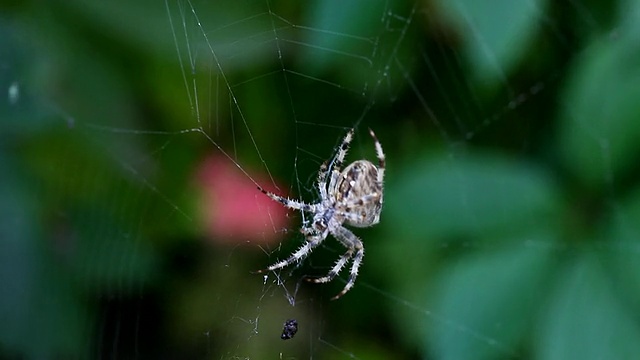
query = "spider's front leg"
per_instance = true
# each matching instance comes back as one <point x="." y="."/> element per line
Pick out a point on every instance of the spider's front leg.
<point x="342" y="151"/>
<point x="290" y="203"/>
<point x="322" y="180"/>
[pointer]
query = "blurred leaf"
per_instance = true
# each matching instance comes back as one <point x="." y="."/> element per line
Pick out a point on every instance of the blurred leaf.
<point x="485" y="304"/>
<point x="584" y="320"/>
<point x="623" y="244"/>
<point x="481" y="198"/>
<point x="343" y="36"/>
<point x="58" y="315"/>
<point x="496" y="33"/>
<point x="113" y="258"/>
<point x="470" y="196"/>
<point x="629" y="13"/>
<point x="144" y="23"/>
<point x="22" y="112"/>
<point x="41" y="311"/>
<point x="599" y="125"/>
<point x="93" y="221"/>
<point x="17" y="258"/>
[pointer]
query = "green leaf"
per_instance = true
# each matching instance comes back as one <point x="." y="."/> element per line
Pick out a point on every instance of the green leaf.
<point x="99" y="230"/>
<point x="144" y="23"/>
<point x="42" y="313"/>
<point x="108" y="255"/>
<point x="496" y="33"/>
<point x="599" y="124"/>
<point x="472" y="196"/>
<point x="485" y="304"/>
<point x="342" y="37"/>
<point x="623" y="248"/>
<point x="584" y="320"/>
<point x="630" y="20"/>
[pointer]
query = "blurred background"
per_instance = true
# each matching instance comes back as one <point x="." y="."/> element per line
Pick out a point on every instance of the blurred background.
<point x="133" y="135"/>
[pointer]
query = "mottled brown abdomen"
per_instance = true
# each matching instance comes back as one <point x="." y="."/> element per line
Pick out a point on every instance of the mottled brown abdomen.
<point x="359" y="192"/>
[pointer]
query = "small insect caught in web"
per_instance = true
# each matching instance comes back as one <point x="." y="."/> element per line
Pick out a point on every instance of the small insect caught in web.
<point x="289" y="329"/>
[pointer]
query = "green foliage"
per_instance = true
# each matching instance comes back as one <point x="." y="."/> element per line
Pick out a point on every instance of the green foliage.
<point x="489" y="301"/>
<point x="496" y="35"/>
<point x="485" y="250"/>
<point x="531" y="268"/>
<point x="471" y="195"/>
<point x="599" y="124"/>
<point x="584" y="305"/>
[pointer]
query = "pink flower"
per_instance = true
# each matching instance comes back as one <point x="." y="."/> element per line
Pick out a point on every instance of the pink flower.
<point x="233" y="209"/>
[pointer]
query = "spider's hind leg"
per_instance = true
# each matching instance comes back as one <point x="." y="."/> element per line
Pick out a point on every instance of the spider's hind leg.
<point x="342" y="261"/>
<point x="353" y="245"/>
<point x="299" y="255"/>
<point x="357" y="260"/>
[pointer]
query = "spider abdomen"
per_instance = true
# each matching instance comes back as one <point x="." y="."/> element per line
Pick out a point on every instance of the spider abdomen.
<point x="359" y="192"/>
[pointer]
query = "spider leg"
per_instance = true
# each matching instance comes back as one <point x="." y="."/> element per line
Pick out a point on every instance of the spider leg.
<point x="335" y="175"/>
<point x="381" y="157"/>
<point x="357" y="260"/>
<point x="291" y="204"/>
<point x="353" y="244"/>
<point x="338" y="160"/>
<point x="342" y="261"/>
<point x="300" y="254"/>
<point x="322" y="180"/>
<point x="336" y="164"/>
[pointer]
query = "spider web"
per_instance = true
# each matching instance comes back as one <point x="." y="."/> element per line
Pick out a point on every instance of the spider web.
<point x="509" y="202"/>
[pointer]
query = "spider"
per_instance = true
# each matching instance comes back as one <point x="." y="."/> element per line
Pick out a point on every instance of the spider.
<point x="352" y="196"/>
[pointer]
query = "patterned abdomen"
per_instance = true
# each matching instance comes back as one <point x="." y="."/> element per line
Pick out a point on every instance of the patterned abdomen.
<point x="358" y="192"/>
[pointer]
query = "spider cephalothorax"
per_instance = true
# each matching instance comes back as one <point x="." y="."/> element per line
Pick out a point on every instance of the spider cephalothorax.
<point x="352" y="197"/>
